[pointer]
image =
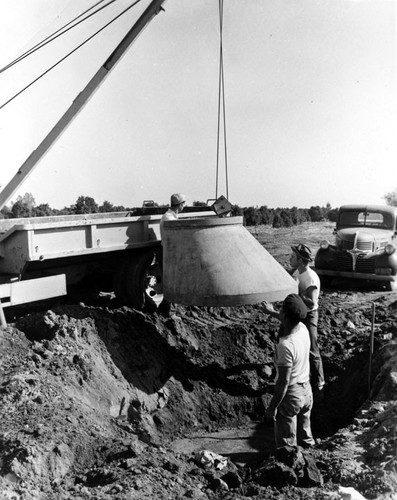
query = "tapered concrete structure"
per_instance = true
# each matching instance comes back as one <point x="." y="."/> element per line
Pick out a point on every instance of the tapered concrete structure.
<point x="215" y="261"/>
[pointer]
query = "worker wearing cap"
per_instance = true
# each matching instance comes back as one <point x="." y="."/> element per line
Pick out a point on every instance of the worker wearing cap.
<point x="178" y="202"/>
<point x="292" y="400"/>
<point x="309" y="291"/>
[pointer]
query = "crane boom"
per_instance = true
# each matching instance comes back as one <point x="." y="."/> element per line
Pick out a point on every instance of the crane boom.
<point x="80" y="101"/>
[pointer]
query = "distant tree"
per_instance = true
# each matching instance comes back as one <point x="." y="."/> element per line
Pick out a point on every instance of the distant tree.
<point x="304" y="214"/>
<point x="42" y="210"/>
<point x="18" y="210"/>
<point x="316" y="214"/>
<point x="277" y="220"/>
<point x="299" y="215"/>
<point x="121" y="208"/>
<point x="64" y="211"/>
<point x="286" y="218"/>
<point x="391" y="198"/>
<point x="28" y="200"/>
<point x="252" y="216"/>
<point x="5" y="213"/>
<point x="330" y="213"/>
<point x="333" y="214"/>
<point x="85" y="205"/>
<point x="23" y="206"/>
<point x="237" y="211"/>
<point x="199" y="204"/>
<point x="106" y="207"/>
<point x="266" y="215"/>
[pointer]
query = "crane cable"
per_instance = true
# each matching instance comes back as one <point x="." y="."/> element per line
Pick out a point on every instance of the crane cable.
<point x="67" y="55"/>
<point x="53" y="36"/>
<point x="221" y="107"/>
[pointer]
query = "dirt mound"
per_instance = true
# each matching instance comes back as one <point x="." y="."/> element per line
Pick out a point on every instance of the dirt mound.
<point x="92" y="398"/>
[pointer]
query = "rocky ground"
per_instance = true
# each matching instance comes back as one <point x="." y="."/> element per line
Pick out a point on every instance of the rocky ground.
<point x="94" y="398"/>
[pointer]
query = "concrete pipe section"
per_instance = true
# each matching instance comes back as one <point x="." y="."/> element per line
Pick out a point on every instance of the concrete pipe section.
<point x="215" y="261"/>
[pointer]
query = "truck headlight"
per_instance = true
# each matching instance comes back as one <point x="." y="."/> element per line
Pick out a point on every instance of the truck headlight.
<point x="324" y="244"/>
<point x="389" y="249"/>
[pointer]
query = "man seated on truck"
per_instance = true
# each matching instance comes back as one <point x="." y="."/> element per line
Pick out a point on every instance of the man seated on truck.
<point x="178" y="202"/>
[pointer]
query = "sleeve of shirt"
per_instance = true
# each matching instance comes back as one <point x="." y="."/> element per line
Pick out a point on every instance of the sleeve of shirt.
<point x="284" y="355"/>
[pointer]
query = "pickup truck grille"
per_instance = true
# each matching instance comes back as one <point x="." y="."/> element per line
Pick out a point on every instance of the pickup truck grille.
<point x="364" y="246"/>
<point x="363" y="265"/>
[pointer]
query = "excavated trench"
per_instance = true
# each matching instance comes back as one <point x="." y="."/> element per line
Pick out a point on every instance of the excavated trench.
<point x="88" y="379"/>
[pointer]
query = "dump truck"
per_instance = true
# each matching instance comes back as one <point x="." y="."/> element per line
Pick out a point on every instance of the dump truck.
<point x="41" y="257"/>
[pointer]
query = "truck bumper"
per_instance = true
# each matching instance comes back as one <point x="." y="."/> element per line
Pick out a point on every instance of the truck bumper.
<point x="22" y="292"/>
<point x="354" y="275"/>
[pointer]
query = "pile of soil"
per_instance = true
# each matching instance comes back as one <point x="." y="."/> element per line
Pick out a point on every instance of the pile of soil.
<point x="94" y="397"/>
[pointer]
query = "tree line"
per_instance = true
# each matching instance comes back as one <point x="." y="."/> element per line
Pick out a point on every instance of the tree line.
<point x="25" y="206"/>
<point x="285" y="217"/>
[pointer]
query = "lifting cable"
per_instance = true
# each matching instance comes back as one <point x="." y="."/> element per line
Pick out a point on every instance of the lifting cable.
<point x="69" y="54"/>
<point x="53" y="36"/>
<point x="221" y="107"/>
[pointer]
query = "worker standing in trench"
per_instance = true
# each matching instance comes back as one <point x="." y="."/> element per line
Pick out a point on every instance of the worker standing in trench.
<point x="309" y="291"/>
<point x="292" y="400"/>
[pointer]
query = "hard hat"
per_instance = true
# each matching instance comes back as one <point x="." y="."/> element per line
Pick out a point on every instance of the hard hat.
<point x="177" y="199"/>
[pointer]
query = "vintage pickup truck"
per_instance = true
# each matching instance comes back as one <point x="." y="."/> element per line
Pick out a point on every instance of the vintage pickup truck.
<point x="365" y="246"/>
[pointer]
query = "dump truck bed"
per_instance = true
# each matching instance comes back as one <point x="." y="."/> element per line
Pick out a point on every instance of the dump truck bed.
<point x="42" y="238"/>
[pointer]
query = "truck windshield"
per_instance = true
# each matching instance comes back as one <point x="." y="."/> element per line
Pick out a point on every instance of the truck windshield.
<point x="354" y="218"/>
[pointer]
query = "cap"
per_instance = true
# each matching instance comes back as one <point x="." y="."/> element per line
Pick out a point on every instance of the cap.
<point x="303" y="252"/>
<point x="177" y="199"/>
<point x="294" y="307"/>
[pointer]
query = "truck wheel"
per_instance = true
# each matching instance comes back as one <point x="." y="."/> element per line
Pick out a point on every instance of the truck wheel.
<point x="119" y="281"/>
<point x="142" y="281"/>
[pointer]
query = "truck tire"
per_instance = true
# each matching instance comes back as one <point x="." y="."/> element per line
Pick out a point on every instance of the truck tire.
<point x="139" y="281"/>
<point x="119" y="282"/>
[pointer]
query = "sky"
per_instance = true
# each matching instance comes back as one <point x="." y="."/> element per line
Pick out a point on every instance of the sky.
<point x="310" y="103"/>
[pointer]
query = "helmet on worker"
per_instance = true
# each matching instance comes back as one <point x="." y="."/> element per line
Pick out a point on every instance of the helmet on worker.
<point x="177" y="199"/>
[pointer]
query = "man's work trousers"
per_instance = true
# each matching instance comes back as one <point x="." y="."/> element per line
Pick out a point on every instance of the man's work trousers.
<point x="316" y="364"/>
<point x="292" y="423"/>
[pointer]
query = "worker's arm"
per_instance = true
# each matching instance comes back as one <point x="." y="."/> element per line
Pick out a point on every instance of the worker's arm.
<point x="310" y="296"/>
<point x="269" y="309"/>
<point x="280" y="389"/>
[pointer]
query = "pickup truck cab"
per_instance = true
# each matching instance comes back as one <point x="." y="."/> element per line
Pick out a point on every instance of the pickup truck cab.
<point x="365" y="246"/>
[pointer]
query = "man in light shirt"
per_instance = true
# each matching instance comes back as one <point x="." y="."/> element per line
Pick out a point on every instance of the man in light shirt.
<point x="178" y="202"/>
<point x="292" y="401"/>
<point x="309" y="291"/>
